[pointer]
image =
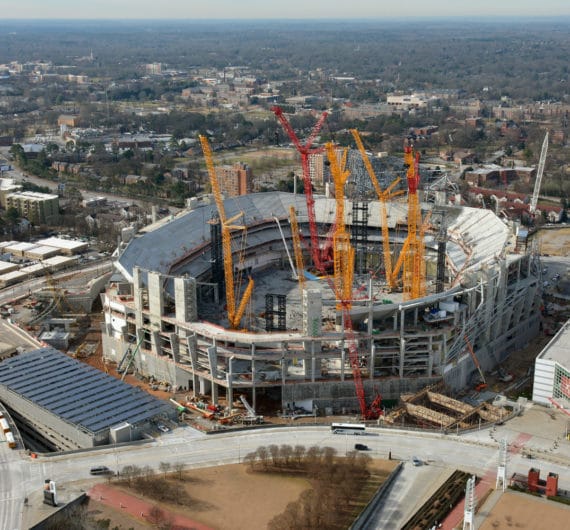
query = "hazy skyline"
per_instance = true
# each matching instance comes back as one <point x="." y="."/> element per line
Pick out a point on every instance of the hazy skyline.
<point x="263" y="9"/>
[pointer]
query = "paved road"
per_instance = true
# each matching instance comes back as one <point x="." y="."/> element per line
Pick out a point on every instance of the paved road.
<point x="86" y="194"/>
<point x="476" y="453"/>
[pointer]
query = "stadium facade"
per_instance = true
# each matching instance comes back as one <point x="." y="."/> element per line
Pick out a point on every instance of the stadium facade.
<point x="164" y="315"/>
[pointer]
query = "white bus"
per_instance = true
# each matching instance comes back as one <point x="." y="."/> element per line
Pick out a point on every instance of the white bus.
<point x="348" y="428"/>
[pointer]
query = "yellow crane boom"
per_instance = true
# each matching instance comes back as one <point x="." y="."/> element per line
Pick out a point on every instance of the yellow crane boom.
<point x="343" y="252"/>
<point x="234" y="316"/>
<point x="383" y="197"/>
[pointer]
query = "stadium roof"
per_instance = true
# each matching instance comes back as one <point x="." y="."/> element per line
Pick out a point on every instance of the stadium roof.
<point x="76" y="392"/>
<point x="475" y="235"/>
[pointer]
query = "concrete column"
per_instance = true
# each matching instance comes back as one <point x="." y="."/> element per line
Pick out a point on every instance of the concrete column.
<point x="312" y="306"/>
<point x="203" y="386"/>
<point x="230" y="382"/>
<point x="155" y="298"/>
<point x="185" y="299"/>
<point x="372" y="360"/>
<point x="138" y="296"/>
<point x="155" y="342"/>
<point x="342" y="361"/>
<point x="284" y="363"/>
<point x="402" y="356"/>
<point x="230" y="395"/>
<point x="430" y="355"/>
<point x="175" y="347"/>
<point x="254" y="403"/>
<point x="313" y="362"/>
<point x="214" y="392"/>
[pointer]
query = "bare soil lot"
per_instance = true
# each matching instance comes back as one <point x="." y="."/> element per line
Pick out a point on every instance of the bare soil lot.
<point x="555" y="242"/>
<point x="519" y="510"/>
<point x="225" y="498"/>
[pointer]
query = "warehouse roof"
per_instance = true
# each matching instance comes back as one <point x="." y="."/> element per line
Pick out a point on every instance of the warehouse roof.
<point x="77" y="392"/>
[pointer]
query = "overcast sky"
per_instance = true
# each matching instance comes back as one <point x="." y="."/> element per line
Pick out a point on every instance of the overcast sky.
<point x="252" y="9"/>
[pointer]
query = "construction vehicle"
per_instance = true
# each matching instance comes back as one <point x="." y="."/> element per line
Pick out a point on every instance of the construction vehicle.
<point x="482" y="384"/>
<point x="305" y="151"/>
<point x="235" y="314"/>
<point x="251" y="417"/>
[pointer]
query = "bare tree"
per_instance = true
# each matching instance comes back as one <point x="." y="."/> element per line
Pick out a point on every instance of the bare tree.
<point x="263" y="456"/>
<point x="164" y="468"/>
<point x="250" y="459"/>
<point x="274" y="452"/>
<point x="299" y="452"/>
<point x="156" y="515"/>
<point x="179" y="470"/>
<point x="286" y="452"/>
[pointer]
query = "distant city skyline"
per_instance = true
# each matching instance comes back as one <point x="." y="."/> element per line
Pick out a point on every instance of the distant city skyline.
<point x="290" y="9"/>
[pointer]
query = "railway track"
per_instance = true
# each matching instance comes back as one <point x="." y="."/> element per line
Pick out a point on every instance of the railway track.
<point x="440" y="503"/>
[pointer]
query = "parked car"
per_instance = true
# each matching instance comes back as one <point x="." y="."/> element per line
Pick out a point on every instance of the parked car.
<point x="416" y="461"/>
<point x="361" y="447"/>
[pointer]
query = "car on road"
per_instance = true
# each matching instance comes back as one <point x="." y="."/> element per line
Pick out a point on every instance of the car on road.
<point x="100" y="470"/>
<point x="416" y="461"/>
<point x="361" y="447"/>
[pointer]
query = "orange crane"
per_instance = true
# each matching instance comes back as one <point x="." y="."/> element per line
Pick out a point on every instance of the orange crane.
<point x="405" y="246"/>
<point x="343" y="252"/>
<point x="297" y="248"/>
<point x="383" y="197"/>
<point x="413" y="277"/>
<point x="343" y="276"/>
<point x="234" y="313"/>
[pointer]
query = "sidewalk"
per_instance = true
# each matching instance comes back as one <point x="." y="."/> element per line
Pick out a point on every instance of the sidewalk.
<point x="138" y="508"/>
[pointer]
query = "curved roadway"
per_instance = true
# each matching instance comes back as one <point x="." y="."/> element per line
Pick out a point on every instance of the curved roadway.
<point x="476" y="452"/>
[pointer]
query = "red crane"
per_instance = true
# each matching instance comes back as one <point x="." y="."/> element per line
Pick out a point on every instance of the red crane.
<point x="305" y="150"/>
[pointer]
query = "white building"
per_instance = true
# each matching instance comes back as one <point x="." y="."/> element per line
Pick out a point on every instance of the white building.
<point x="552" y="371"/>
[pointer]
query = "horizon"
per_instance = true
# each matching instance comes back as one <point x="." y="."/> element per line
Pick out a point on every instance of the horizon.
<point x="434" y="18"/>
<point x="250" y="10"/>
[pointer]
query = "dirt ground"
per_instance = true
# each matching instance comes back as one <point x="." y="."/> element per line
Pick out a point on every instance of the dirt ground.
<point x="225" y="497"/>
<point x="520" y="510"/>
<point x="555" y="242"/>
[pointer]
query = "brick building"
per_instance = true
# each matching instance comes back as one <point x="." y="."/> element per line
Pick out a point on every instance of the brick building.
<point x="235" y="180"/>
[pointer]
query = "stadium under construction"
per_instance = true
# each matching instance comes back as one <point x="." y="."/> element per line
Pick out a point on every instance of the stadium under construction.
<point x="306" y="339"/>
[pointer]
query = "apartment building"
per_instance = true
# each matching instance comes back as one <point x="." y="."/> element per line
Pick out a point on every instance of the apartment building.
<point x="235" y="180"/>
<point x="35" y="207"/>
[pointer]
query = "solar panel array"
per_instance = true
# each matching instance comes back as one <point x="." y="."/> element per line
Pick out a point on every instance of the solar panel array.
<point x="76" y="392"/>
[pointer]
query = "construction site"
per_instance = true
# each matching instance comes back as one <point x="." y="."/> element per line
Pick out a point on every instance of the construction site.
<point x="321" y="304"/>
